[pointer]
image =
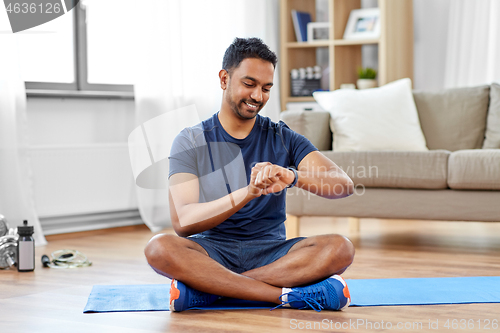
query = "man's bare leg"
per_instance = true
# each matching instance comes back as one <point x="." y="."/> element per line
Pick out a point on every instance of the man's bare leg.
<point x="309" y="260"/>
<point x="184" y="260"/>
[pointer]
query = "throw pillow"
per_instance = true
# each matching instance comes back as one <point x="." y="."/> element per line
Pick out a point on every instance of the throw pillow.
<point x="453" y="119"/>
<point x="492" y="135"/>
<point x="382" y="118"/>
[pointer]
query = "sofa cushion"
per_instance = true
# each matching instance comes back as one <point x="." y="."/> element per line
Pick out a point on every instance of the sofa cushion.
<point x="453" y="119"/>
<point x="382" y="118"/>
<point x="396" y="169"/>
<point x="314" y="125"/>
<point x="492" y="135"/>
<point x="477" y="169"/>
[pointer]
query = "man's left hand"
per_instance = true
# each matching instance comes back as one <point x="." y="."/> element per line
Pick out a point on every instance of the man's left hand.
<point x="271" y="178"/>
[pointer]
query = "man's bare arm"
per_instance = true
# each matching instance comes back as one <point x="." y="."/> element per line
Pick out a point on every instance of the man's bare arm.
<point x="321" y="176"/>
<point x="316" y="173"/>
<point x="189" y="216"/>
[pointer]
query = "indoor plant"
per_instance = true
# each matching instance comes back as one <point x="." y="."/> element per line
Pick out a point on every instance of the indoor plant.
<point x="366" y="78"/>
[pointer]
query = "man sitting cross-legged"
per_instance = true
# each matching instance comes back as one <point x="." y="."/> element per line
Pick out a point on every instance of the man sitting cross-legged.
<point x="227" y="185"/>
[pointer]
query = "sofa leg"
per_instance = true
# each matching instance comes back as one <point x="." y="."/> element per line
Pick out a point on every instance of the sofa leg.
<point x="354" y="224"/>
<point x="292" y="226"/>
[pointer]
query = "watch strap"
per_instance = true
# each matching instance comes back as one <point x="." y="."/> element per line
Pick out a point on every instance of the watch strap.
<point x="296" y="178"/>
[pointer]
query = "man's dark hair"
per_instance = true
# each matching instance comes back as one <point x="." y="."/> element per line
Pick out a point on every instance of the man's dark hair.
<point x="243" y="48"/>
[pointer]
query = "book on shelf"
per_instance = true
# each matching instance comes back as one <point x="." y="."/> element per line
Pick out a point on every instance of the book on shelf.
<point x="300" y="20"/>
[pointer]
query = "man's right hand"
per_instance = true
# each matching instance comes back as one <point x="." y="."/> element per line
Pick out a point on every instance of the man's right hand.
<point x="255" y="191"/>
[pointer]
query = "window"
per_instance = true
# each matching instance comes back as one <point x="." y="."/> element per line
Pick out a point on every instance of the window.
<point x="110" y="47"/>
<point x="46" y="52"/>
<point x="87" y="49"/>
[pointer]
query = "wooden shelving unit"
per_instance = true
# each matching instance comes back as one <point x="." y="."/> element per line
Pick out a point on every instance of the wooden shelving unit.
<point x="395" y="45"/>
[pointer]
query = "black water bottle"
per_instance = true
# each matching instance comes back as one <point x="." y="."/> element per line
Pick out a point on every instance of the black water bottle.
<point x="25" y="248"/>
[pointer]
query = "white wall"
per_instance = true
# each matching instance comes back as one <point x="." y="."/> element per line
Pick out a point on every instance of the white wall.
<point x="430" y="39"/>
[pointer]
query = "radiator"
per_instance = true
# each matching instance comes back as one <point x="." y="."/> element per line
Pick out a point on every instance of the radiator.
<point x="83" y="187"/>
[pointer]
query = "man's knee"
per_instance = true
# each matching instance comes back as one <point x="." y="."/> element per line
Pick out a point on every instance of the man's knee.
<point x="159" y="249"/>
<point x="342" y="251"/>
<point x="347" y="249"/>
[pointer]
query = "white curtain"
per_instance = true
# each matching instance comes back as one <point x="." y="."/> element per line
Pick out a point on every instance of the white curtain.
<point x="16" y="196"/>
<point x="473" y="49"/>
<point x="181" y="44"/>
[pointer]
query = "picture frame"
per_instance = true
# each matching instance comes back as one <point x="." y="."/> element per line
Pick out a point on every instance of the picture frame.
<point x="318" y="31"/>
<point x="363" y="24"/>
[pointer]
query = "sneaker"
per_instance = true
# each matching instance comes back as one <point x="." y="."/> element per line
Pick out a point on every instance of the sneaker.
<point x="329" y="294"/>
<point x="183" y="297"/>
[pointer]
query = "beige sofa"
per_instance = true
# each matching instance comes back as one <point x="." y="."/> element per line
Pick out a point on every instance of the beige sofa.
<point x="457" y="179"/>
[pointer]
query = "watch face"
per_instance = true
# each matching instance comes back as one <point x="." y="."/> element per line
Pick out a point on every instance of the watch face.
<point x="4" y="227"/>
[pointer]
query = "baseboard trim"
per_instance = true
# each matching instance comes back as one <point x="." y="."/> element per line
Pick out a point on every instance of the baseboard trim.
<point x="84" y="222"/>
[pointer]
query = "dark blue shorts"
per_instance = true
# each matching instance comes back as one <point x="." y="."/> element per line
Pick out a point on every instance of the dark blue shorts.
<point x="242" y="256"/>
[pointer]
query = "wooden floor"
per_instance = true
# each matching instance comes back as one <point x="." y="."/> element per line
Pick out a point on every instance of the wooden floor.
<point x="52" y="300"/>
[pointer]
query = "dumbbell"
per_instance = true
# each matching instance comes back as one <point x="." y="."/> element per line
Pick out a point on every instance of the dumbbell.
<point x="8" y="245"/>
<point x="4" y="226"/>
<point x="8" y="251"/>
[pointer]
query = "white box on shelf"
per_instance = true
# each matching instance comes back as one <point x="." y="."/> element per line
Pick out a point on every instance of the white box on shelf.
<point x="318" y="31"/>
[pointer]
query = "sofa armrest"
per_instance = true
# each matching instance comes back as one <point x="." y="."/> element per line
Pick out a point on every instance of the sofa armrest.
<point x="314" y="125"/>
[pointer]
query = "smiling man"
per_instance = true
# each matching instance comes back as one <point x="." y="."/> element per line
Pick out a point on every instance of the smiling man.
<point x="228" y="181"/>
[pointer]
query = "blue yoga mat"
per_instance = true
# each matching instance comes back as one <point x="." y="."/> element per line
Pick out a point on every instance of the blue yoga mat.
<point x="423" y="291"/>
<point x="369" y="292"/>
<point x="152" y="297"/>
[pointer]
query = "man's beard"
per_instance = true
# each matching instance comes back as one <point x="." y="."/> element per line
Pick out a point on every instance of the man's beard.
<point x="236" y="109"/>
